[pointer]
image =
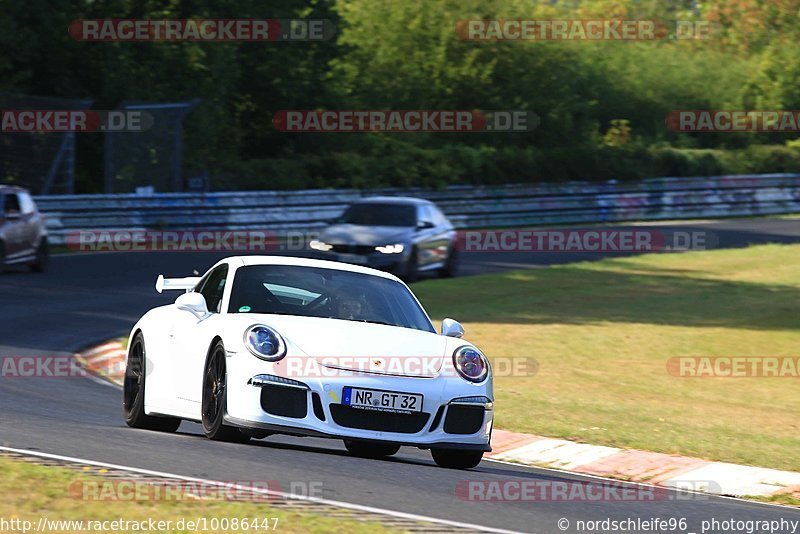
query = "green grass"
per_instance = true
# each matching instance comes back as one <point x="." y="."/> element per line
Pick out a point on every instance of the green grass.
<point x="32" y="491"/>
<point x="602" y="333"/>
<point x="783" y="498"/>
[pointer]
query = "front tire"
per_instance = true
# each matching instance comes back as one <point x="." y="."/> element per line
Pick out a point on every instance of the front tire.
<point x="214" y="405"/>
<point x="450" y="268"/>
<point x="411" y="269"/>
<point x="133" y="389"/>
<point x="365" y="449"/>
<point x="456" y="459"/>
<point x="42" y="260"/>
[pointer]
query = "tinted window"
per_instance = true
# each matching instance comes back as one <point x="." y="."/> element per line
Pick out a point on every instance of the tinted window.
<point x="11" y="204"/>
<point x="438" y="217"/>
<point x="26" y="203"/>
<point x="388" y="214"/>
<point x="330" y="293"/>
<point x="426" y="214"/>
<point x="213" y="286"/>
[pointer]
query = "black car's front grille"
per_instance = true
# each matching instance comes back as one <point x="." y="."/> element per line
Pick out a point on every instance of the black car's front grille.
<point x="353" y="249"/>
<point x="378" y="421"/>
<point x="463" y="419"/>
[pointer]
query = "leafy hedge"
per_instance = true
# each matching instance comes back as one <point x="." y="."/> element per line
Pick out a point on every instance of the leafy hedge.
<point x="438" y="167"/>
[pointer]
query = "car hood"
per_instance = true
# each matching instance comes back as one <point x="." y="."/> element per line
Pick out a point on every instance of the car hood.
<point x="357" y="346"/>
<point x="354" y="234"/>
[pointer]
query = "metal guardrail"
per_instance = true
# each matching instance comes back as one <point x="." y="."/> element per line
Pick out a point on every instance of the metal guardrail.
<point x="466" y="206"/>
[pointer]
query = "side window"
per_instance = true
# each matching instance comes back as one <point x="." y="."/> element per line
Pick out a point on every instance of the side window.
<point x="11" y="204"/>
<point x="26" y="203"/>
<point x="438" y="217"/>
<point x="213" y="287"/>
<point x="426" y="214"/>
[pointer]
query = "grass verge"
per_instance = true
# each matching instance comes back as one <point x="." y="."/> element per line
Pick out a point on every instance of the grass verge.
<point x="32" y="491"/>
<point x="602" y="332"/>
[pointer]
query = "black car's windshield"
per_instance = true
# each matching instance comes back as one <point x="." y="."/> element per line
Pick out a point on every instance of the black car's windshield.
<point x="317" y="292"/>
<point x="376" y="214"/>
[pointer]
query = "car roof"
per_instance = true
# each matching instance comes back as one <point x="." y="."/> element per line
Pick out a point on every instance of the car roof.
<point x="306" y="262"/>
<point x="11" y="189"/>
<point x="393" y="200"/>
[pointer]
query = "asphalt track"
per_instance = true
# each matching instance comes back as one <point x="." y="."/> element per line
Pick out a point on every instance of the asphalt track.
<point x="89" y="298"/>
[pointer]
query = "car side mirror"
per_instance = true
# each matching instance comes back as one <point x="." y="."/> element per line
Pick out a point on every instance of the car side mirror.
<point x="194" y="303"/>
<point x="452" y="328"/>
<point x="424" y="225"/>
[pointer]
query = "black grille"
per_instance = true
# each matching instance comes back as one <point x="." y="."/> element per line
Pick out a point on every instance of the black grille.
<point x="463" y="419"/>
<point x="283" y="401"/>
<point x="317" y="403"/>
<point x="353" y="249"/>
<point x="378" y="421"/>
<point x="437" y="419"/>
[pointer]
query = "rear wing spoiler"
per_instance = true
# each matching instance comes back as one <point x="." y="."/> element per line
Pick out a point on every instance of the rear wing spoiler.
<point x="186" y="284"/>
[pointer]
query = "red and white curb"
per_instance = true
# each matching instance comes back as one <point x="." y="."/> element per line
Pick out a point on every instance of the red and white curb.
<point x="108" y="362"/>
<point x="680" y="472"/>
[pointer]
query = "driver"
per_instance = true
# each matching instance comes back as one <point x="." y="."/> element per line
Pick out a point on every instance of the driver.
<point x="349" y="306"/>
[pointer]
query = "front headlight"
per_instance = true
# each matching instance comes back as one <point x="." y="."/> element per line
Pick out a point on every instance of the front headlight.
<point x="397" y="248"/>
<point x="471" y="364"/>
<point x="265" y="343"/>
<point x="316" y="244"/>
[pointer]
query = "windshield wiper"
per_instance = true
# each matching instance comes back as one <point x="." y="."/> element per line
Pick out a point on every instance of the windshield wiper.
<point x="375" y="322"/>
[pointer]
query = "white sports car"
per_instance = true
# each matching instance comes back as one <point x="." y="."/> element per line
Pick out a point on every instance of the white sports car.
<point x="266" y="345"/>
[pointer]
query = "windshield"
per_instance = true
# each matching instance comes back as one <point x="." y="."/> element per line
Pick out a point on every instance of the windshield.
<point x="330" y="293"/>
<point x="388" y="214"/>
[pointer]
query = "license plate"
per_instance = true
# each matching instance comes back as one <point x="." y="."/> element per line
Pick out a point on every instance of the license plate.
<point x="352" y="258"/>
<point x="381" y="401"/>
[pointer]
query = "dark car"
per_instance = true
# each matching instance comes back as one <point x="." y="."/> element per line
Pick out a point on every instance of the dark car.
<point x="23" y="236"/>
<point x="401" y="235"/>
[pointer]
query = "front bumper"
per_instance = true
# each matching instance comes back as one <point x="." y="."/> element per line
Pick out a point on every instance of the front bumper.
<point x="316" y="409"/>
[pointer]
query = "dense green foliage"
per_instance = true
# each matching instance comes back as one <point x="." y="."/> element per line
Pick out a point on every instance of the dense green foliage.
<point x="602" y="104"/>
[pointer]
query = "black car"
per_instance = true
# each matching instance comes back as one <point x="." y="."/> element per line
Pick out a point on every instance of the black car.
<point x="401" y="235"/>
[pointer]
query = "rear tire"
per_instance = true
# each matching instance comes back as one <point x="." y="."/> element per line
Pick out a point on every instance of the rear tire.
<point x="39" y="265"/>
<point x="215" y="379"/>
<point x="456" y="459"/>
<point x="365" y="449"/>
<point x="133" y="389"/>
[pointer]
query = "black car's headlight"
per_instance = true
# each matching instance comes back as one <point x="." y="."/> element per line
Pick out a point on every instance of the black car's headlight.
<point x="397" y="248"/>
<point x="471" y="364"/>
<point x="316" y="244"/>
<point x="265" y="343"/>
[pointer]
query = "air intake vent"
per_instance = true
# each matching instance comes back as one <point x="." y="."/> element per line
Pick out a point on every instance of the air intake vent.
<point x="317" y="403"/>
